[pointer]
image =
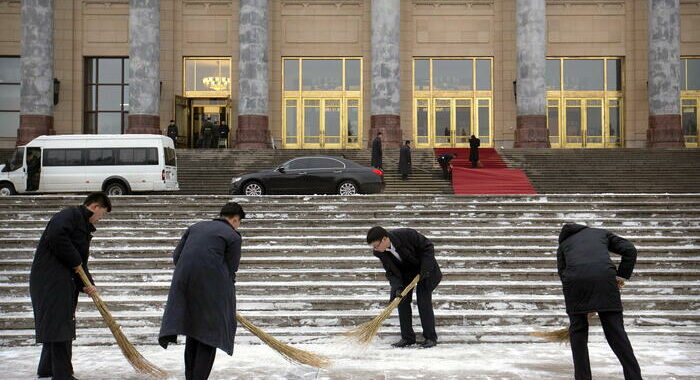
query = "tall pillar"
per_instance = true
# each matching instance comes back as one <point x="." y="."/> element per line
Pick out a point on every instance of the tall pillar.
<point x="531" y="42"/>
<point x="253" y="131"/>
<point x="36" y="91"/>
<point x="664" y="75"/>
<point x="386" y="78"/>
<point x="144" y="66"/>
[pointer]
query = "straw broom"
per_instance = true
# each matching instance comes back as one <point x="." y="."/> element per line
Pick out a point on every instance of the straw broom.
<point x="366" y="332"/>
<point x="288" y="352"/>
<point x="136" y="360"/>
<point x="556" y="336"/>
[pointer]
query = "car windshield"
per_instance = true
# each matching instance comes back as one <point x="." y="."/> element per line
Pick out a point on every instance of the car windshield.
<point x="17" y="160"/>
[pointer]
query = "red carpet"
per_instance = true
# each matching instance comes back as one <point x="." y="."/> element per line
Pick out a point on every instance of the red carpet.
<point x="493" y="178"/>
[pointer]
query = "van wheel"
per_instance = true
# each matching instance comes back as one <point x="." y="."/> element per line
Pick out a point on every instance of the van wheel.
<point x="116" y="188"/>
<point x="347" y="188"/>
<point x="6" y="189"/>
<point x="253" y="188"/>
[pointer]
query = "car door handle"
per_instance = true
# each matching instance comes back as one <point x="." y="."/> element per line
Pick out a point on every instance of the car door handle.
<point x="303" y="173"/>
<point x="337" y="171"/>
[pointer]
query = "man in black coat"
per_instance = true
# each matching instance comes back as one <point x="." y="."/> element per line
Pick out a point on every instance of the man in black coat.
<point x="377" y="151"/>
<point x="172" y="132"/>
<point x="444" y="161"/>
<point x="223" y="135"/>
<point x="474" y="143"/>
<point x="202" y="300"/>
<point x="404" y="253"/>
<point x="591" y="285"/>
<point x="405" y="160"/>
<point x="54" y="285"/>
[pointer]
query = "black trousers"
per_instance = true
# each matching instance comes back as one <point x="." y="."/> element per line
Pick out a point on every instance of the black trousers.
<point x="55" y="360"/>
<point x="199" y="358"/>
<point x="445" y="170"/>
<point x="424" y="295"/>
<point x="616" y="336"/>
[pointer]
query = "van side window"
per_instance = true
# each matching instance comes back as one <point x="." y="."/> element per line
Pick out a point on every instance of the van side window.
<point x="63" y="157"/>
<point x="170" y="159"/>
<point x="97" y="156"/>
<point x="137" y="156"/>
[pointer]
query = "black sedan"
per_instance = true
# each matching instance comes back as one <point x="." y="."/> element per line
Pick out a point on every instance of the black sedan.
<point x="311" y="175"/>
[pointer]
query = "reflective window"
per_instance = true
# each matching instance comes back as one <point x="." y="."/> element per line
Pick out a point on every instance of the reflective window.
<point x="322" y="74"/>
<point x="452" y="74"/>
<point x="9" y="96"/>
<point x="693" y="73"/>
<point x="553" y="74"/>
<point x="583" y="75"/>
<point x="207" y="77"/>
<point x="291" y="75"/>
<point x="614" y="81"/>
<point x="301" y="163"/>
<point x="106" y="95"/>
<point x="483" y="74"/>
<point x="324" y="163"/>
<point x="63" y="157"/>
<point x="352" y="75"/>
<point x="422" y="75"/>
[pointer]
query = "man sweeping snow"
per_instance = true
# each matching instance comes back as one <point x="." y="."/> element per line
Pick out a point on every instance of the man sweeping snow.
<point x="591" y="284"/>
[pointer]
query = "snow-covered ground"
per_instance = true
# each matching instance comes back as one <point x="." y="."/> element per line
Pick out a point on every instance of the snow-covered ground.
<point x="380" y="362"/>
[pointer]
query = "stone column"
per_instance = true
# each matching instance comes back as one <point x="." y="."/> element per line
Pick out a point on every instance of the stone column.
<point x="36" y="91"/>
<point x="531" y="43"/>
<point x="664" y="75"/>
<point x="144" y="66"/>
<point x="253" y="131"/>
<point x="386" y="78"/>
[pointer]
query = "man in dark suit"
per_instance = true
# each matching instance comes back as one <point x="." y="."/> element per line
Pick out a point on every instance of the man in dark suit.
<point x="444" y="161"/>
<point x="377" y="152"/>
<point x="591" y="285"/>
<point x="172" y="132"/>
<point x="54" y="285"/>
<point x="405" y="253"/>
<point x="202" y="299"/>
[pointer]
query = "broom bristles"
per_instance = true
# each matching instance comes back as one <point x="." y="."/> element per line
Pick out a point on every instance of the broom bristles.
<point x="140" y="364"/>
<point x="288" y="352"/>
<point x="366" y="332"/>
<point x="556" y="336"/>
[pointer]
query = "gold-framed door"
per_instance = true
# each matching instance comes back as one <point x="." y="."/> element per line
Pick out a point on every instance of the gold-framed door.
<point x="689" y="120"/>
<point x="219" y="110"/>
<point x="584" y="123"/>
<point x="322" y="123"/>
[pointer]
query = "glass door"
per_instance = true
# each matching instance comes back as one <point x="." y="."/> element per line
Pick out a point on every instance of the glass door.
<point x="689" y="121"/>
<point x="442" y="114"/>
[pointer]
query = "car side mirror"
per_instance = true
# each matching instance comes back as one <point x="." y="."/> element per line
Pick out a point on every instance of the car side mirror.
<point x="281" y="169"/>
<point x="6" y="168"/>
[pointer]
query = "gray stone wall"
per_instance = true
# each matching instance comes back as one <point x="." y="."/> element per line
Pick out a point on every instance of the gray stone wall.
<point x="36" y="93"/>
<point x="386" y="76"/>
<point x="144" y="57"/>
<point x="664" y="57"/>
<point x="253" y="40"/>
<point x="531" y="42"/>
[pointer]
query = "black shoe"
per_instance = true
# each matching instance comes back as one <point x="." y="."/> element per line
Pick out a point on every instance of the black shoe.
<point x="428" y="343"/>
<point x="403" y="343"/>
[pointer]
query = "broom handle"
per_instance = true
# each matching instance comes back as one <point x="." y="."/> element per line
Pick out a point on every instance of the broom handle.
<point x="408" y="288"/>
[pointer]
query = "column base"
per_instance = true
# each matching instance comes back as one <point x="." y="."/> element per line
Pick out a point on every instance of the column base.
<point x="144" y="124"/>
<point x="531" y="132"/>
<point x="665" y="131"/>
<point x="390" y="126"/>
<point x="33" y="126"/>
<point x="252" y="132"/>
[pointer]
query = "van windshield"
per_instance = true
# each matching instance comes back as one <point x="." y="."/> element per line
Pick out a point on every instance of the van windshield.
<point x="170" y="159"/>
<point x="17" y="160"/>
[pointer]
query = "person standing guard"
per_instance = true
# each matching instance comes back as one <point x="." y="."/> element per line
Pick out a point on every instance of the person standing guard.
<point x="54" y="285"/>
<point x="202" y="299"/>
<point x="405" y="253"/>
<point x="474" y="144"/>
<point x="222" y="140"/>
<point x="173" y="132"/>
<point x="591" y="284"/>
<point x="377" y="151"/>
<point x="405" y="160"/>
<point x="207" y="133"/>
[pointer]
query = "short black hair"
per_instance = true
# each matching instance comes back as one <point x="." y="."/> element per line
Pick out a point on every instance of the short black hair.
<point x="379" y="134"/>
<point x="100" y="198"/>
<point x="232" y="209"/>
<point x="376" y="233"/>
<point x="172" y="121"/>
<point x="408" y="142"/>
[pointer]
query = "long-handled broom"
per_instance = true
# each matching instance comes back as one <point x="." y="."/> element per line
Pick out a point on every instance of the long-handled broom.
<point x="288" y="352"/>
<point x="135" y="358"/>
<point x="366" y="332"/>
<point x="556" y="336"/>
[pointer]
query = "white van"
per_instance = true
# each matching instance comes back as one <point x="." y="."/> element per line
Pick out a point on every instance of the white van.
<point x="115" y="164"/>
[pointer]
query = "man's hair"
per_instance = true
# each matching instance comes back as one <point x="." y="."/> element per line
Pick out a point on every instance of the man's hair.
<point x="376" y="233"/>
<point x="172" y="121"/>
<point x="232" y="209"/>
<point x="100" y="198"/>
<point x="408" y="142"/>
<point x="379" y="133"/>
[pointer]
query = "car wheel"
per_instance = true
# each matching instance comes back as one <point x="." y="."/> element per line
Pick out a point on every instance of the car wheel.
<point x="116" y="188"/>
<point x="347" y="188"/>
<point x="6" y="189"/>
<point x="253" y="188"/>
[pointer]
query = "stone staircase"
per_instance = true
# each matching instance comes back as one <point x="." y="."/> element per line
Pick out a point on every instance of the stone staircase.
<point x="608" y="170"/>
<point x="307" y="275"/>
<point x="209" y="171"/>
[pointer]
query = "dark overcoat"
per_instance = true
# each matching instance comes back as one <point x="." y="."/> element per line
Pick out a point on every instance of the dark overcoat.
<point x="172" y="132"/>
<point x="377" y="152"/>
<point x="417" y="257"/>
<point x="53" y="285"/>
<point x="586" y="271"/>
<point x="202" y="299"/>
<point x="474" y="144"/>
<point x="405" y="160"/>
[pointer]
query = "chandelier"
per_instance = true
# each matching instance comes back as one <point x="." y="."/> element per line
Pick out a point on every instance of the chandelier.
<point x="217" y="83"/>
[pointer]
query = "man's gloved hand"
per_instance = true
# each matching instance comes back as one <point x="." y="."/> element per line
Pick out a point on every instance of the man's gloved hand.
<point x="397" y="292"/>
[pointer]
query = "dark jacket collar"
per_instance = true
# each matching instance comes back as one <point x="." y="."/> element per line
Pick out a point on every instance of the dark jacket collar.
<point x="86" y="215"/>
<point x="570" y="229"/>
<point x="227" y="223"/>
